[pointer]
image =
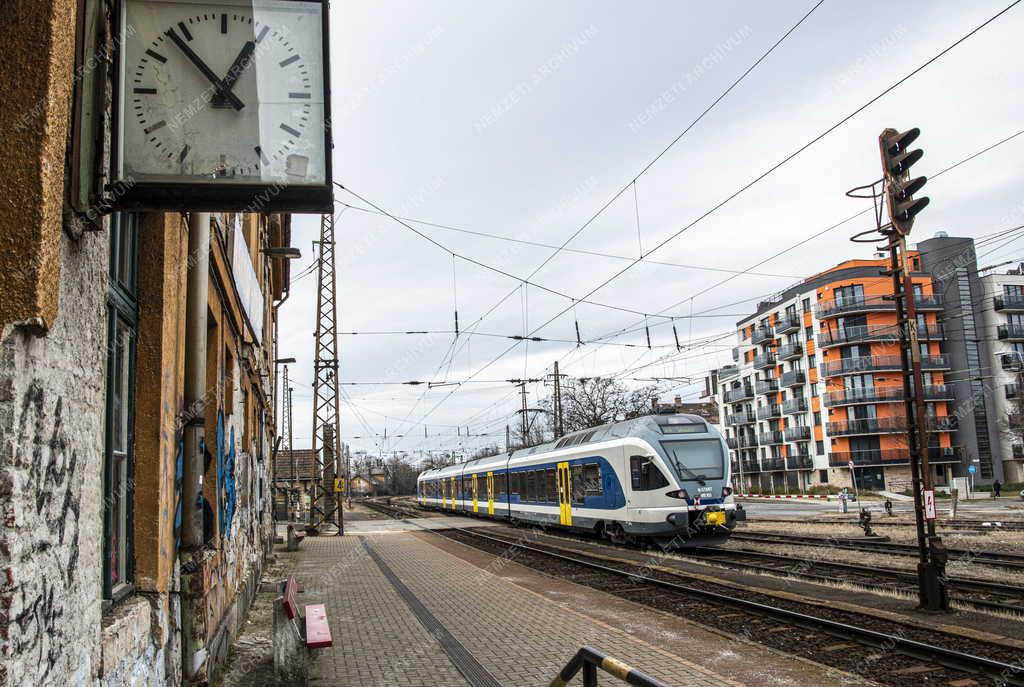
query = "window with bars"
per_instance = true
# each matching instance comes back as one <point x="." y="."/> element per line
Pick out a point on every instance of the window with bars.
<point x="122" y="325"/>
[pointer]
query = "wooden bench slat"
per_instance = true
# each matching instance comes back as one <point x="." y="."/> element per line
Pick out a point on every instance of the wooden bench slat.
<point x="318" y="633"/>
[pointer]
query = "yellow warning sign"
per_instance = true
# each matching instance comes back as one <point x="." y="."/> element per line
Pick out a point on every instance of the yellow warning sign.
<point x="339" y="485"/>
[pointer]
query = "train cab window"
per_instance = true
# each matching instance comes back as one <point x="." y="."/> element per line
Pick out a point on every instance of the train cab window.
<point x="576" y="482"/>
<point x="644" y="474"/>
<point x="592" y="480"/>
<point x="551" y="486"/>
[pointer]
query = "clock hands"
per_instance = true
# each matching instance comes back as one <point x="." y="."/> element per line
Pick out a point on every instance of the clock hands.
<point x="235" y="72"/>
<point x="218" y="84"/>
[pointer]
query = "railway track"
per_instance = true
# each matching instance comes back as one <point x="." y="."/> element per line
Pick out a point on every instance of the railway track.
<point x="982" y="526"/>
<point x="999" y="559"/>
<point x="889" y="652"/>
<point x="967" y="593"/>
<point x="390" y="509"/>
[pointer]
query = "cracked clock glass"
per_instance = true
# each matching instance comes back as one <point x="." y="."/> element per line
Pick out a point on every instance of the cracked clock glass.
<point x="223" y="92"/>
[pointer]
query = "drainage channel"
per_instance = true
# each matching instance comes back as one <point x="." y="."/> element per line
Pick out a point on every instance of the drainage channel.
<point x="461" y="657"/>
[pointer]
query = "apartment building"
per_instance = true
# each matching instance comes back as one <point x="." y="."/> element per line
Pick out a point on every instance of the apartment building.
<point x="1002" y="318"/>
<point x="815" y="396"/>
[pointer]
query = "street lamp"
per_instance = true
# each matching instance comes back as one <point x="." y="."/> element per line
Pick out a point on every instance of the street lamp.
<point x="285" y="252"/>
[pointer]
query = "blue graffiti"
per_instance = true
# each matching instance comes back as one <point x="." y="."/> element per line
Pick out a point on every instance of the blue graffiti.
<point x="179" y="474"/>
<point x="225" y="478"/>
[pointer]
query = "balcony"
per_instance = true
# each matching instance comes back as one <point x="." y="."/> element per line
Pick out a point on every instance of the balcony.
<point x="1011" y="362"/>
<point x="872" y="333"/>
<point x="879" y="425"/>
<point x="883" y="394"/>
<point x="767" y="386"/>
<point x="764" y="361"/>
<point x="869" y="363"/>
<point x="893" y="456"/>
<point x="744" y="417"/>
<point x="1008" y="302"/>
<point x="798" y="433"/>
<point x="863" y="304"/>
<point x="1011" y="332"/>
<point x="943" y="423"/>
<point x="772" y="410"/>
<point x="728" y="372"/>
<point x="938" y="392"/>
<point x="746" y="441"/>
<point x="793" y="378"/>
<point x="790" y="322"/>
<point x="795" y="406"/>
<point x="798" y="460"/>
<point x="771" y="438"/>
<point x="750" y="466"/>
<point x="1018" y="451"/>
<point x="744" y="392"/>
<point x="1011" y="390"/>
<point x="773" y="464"/>
<point x="790" y="351"/>
<point x="762" y="334"/>
<point x="732" y="442"/>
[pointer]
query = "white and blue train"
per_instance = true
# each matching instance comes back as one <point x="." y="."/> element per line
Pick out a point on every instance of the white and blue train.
<point x="660" y="477"/>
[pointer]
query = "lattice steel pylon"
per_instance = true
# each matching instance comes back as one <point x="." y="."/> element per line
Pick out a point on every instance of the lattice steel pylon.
<point x="325" y="505"/>
<point x="286" y="448"/>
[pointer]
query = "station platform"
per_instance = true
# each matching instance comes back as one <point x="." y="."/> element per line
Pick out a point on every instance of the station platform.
<point x="407" y="606"/>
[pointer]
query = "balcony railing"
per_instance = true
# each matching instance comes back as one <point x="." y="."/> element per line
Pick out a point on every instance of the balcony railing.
<point x="943" y="423"/>
<point x="1008" y="302"/>
<point x="765" y="360"/>
<point x="770" y="438"/>
<point x="743" y="392"/>
<point x="744" y="417"/>
<point x="773" y="464"/>
<point x="1012" y="362"/>
<point x="845" y="306"/>
<point x="1011" y="332"/>
<point x="883" y="394"/>
<point x="797" y="460"/>
<point x="868" y="333"/>
<point x="732" y="442"/>
<point x="1011" y="390"/>
<point x="769" y="411"/>
<point x="798" y="433"/>
<point x="790" y="351"/>
<point x="728" y="372"/>
<point x="767" y="386"/>
<point x="795" y="405"/>
<point x="762" y="334"/>
<point x="793" y="378"/>
<point x="1018" y="451"/>
<point x="750" y="466"/>
<point x="878" y="363"/>
<point x="893" y="456"/>
<point x="878" y="425"/>
<point x="789" y="322"/>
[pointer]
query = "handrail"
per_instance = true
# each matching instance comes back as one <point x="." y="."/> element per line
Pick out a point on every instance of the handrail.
<point x="590" y="659"/>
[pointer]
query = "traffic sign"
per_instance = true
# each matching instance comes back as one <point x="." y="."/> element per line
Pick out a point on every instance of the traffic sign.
<point x="972" y="469"/>
<point x="929" y="504"/>
<point x="339" y="485"/>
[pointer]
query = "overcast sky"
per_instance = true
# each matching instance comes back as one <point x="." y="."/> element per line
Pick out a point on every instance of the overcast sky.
<point x="523" y="118"/>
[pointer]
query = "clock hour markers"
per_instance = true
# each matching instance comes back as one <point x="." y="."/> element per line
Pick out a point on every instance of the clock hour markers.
<point x="145" y="91"/>
<point x="298" y="96"/>
<point x="285" y="63"/>
<point x="262" y="33"/>
<point x="263" y="157"/>
<point x="184" y="30"/>
<point x="155" y="125"/>
<point x="288" y="129"/>
<point x="224" y="23"/>
<point x="156" y="56"/>
<point x="183" y="154"/>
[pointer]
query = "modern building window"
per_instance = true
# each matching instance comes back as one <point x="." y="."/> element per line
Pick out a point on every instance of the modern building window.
<point x="809" y="333"/>
<point x="817" y="419"/>
<point x="849" y="294"/>
<point x="1013" y="290"/>
<point x="806" y="305"/>
<point x="819" y="447"/>
<point x="811" y="362"/>
<point x="122" y="324"/>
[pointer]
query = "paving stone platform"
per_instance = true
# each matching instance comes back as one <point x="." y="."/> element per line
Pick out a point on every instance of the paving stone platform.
<point x="517" y="626"/>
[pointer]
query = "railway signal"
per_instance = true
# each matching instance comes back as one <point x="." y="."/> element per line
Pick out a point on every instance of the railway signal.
<point x="897" y="159"/>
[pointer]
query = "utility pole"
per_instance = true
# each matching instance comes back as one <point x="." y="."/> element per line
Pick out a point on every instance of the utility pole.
<point x="898" y="189"/>
<point x="286" y="433"/>
<point x="324" y="507"/>
<point x="525" y="423"/>
<point x="556" y="402"/>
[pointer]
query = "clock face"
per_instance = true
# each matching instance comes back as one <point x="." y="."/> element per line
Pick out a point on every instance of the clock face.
<point x="225" y="92"/>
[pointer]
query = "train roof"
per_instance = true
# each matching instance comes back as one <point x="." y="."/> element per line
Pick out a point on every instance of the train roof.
<point x="648" y="426"/>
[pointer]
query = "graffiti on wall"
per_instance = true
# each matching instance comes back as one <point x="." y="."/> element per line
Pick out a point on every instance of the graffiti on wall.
<point x="225" y="476"/>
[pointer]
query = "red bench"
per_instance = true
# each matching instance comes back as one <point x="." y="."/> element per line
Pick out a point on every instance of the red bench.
<point x="318" y="632"/>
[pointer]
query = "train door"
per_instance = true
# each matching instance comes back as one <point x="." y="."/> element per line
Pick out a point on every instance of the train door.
<point x="490" y="493"/>
<point x="564" y="494"/>
<point x="454" y="490"/>
<point x="476" y="503"/>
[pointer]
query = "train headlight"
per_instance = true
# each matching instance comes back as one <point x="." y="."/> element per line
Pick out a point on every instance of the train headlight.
<point x="678" y="494"/>
<point x="726" y="491"/>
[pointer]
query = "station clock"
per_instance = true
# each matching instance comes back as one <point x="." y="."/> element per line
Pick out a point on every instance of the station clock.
<point x="223" y="106"/>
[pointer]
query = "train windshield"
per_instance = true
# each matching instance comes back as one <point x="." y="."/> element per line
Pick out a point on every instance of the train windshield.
<point x="696" y="460"/>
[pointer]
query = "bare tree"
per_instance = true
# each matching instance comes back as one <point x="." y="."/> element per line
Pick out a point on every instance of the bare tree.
<point x="593" y="401"/>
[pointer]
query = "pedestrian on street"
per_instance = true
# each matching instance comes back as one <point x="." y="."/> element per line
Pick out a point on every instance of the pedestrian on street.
<point x="996" y="487"/>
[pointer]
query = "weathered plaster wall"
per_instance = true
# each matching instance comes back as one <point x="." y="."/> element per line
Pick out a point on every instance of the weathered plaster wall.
<point x="51" y="452"/>
<point x="35" y="89"/>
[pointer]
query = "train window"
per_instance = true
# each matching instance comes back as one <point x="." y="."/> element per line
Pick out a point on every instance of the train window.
<point x="576" y="482"/>
<point x="644" y="474"/>
<point x="531" y="485"/>
<point x="592" y="480"/>
<point x="551" y="486"/>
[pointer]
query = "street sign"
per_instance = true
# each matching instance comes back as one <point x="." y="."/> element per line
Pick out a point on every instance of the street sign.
<point x="972" y="469"/>
<point x="339" y="485"/>
<point x="929" y="504"/>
